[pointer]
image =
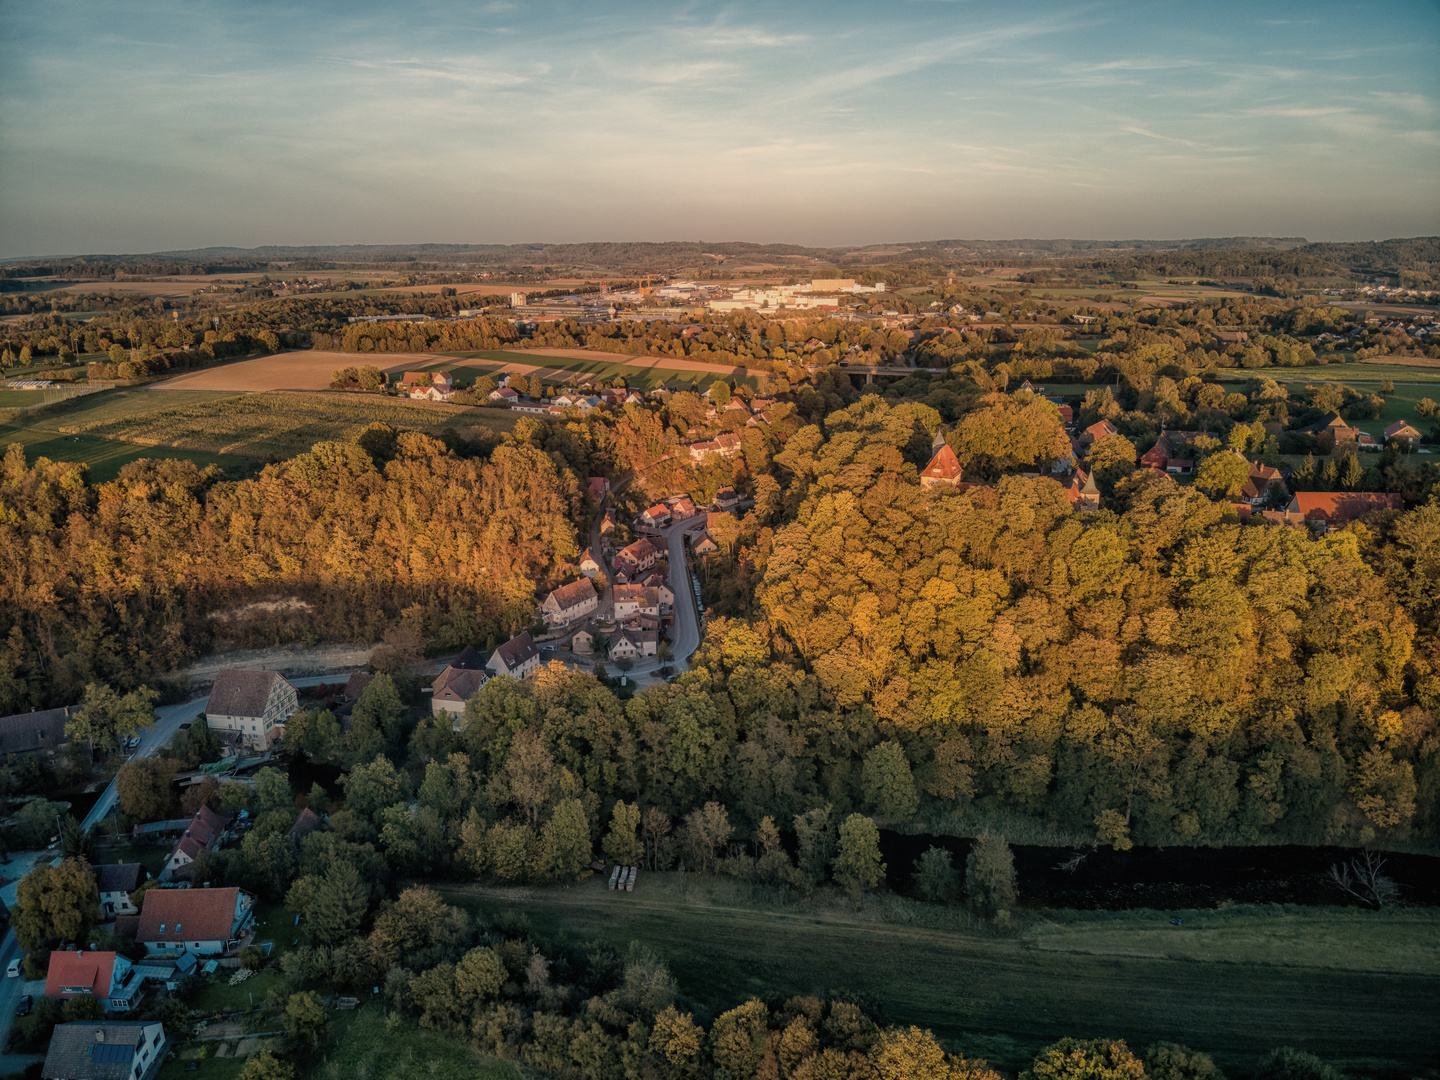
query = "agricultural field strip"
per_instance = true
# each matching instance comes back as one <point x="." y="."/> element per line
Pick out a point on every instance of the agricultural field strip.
<point x="999" y="998"/>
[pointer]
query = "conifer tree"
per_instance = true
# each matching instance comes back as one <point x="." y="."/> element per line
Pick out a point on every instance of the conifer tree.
<point x="339" y="905"/>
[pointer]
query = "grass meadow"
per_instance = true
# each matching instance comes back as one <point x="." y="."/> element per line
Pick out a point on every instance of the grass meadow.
<point x="556" y="365"/>
<point x="274" y="425"/>
<point x="1356" y="987"/>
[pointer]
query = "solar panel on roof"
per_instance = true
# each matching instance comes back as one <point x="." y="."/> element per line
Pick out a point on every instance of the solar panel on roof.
<point x="112" y="1053"/>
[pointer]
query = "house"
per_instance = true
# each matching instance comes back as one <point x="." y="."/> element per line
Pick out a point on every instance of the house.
<point x="108" y="977"/>
<point x="1333" y="431"/>
<point x="1403" y="432"/>
<point x="1067" y="415"/>
<point x="583" y="641"/>
<point x="504" y="394"/>
<point x="608" y="521"/>
<point x="517" y="657"/>
<point x="1257" y="486"/>
<point x="442" y="381"/>
<point x="633" y="558"/>
<point x="356" y="684"/>
<point x="662" y="590"/>
<point x="726" y="499"/>
<point x="682" y="506"/>
<point x="453" y="687"/>
<point x="1166" y="455"/>
<point x="1083" y="492"/>
<point x="704" y="544"/>
<point x="628" y="644"/>
<point x="726" y="445"/>
<point x="115" y="882"/>
<point x="1231" y="337"/>
<point x="634" y="397"/>
<point x="1097" y="431"/>
<point x="105" y="1050"/>
<point x="736" y="405"/>
<point x="598" y="486"/>
<point x="305" y="824"/>
<point x="206" y="922"/>
<point x="636" y="600"/>
<point x="205" y="832"/>
<point x="1365" y="441"/>
<point x="589" y="565"/>
<point x="569" y="602"/>
<point x="655" y="517"/>
<point x="33" y="732"/>
<point x="1332" y="509"/>
<point x="943" y="470"/>
<point x="430" y="393"/>
<point x="251" y="705"/>
<point x="416" y="378"/>
<point x="469" y="659"/>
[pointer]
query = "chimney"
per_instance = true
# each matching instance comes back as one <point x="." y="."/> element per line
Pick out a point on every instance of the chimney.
<point x="99" y="1035"/>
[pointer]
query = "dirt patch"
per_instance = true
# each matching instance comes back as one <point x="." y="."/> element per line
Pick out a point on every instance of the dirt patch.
<point x="294" y="660"/>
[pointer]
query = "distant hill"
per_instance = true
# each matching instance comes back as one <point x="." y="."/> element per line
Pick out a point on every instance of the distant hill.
<point x="1388" y="256"/>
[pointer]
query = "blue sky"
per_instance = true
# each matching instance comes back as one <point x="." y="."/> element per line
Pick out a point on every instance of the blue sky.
<point x="145" y="126"/>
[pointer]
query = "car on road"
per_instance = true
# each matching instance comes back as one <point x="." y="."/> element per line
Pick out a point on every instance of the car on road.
<point x="13" y="971"/>
<point x="26" y="1004"/>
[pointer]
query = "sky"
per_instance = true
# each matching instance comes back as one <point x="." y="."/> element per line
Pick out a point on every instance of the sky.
<point x="145" y="126"/>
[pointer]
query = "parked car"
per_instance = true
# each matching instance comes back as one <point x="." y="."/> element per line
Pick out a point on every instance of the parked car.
<point x="26" y="1003"/>
<point x="13" y="971"/>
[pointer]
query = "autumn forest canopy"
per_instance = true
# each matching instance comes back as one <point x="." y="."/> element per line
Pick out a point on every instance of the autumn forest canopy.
<point x="1152" y="673"/>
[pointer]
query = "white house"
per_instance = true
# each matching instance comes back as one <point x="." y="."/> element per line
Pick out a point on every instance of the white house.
<point x="105" y="1050"/>
<point x="517" y="657"/>
<point x="253" y="705"/>
<point x="569" y="602"/>
<point x="116" y="881"/>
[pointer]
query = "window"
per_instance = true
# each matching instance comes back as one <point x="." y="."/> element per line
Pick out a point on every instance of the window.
<point x="177" y="927"/>
<point x="162" y="927"/>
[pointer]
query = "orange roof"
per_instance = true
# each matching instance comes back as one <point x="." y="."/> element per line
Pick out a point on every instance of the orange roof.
<point x="79" y="973"/>
<point x="176" y="915"/>
<point x="1338" y="507"/>
<point x="944" y="465"/>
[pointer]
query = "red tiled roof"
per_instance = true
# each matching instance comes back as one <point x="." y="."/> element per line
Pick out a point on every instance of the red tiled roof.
<point x="187" y="915"/>
<point x="1339" y="507"/>
<point x="944" y="465"/>
<point x="577" y="592"/>
<point x="71" y="970"/>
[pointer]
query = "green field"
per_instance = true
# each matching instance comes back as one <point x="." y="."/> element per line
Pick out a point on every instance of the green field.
<point x="1359" y="988"/>
<point x="272" y="425"/>
<point x="643" y="378"/>
<point x="20" y="399"/>
<point x="53" y="433"/>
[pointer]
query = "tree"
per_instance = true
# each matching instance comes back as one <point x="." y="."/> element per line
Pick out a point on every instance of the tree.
<point x="888" y="784"/>
<point x="990" y="875"/>
<point x="707" y="831"/>
<point x="677" y="1038"/>
<point x="105" y="716"/>
<point x="75" y="842"/>
<point x="1111" y="458"/>
<point x="720" y="393"/>
<point x="1081" y="1059"/>
<point x="56" y="903"/>
<point x="263" y="1065"/>
<point x="339" y="905"/>
<point x="306" y="1018"/>
<point x="622" y="842"/>
<point x="1287" y="1063"/>
<point x="566" y="841"/>
<point x="1223" y="474"/>
<point x="143" y="787"/>
<point x="369" y="789"/>
<point x="857" y="865"/>
<point x="935" y="876"/>
<point x="36" y="823"/>
<point x="815" y="843"/>
<point x="1170" y="1061"/>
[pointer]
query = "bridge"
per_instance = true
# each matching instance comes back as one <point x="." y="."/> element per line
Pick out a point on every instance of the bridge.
<point x="870" y="371"/>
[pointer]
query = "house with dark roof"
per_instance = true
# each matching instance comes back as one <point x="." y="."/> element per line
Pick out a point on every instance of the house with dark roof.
<point x="33" y="732"/>
<point x="631" y="644"/>
<point x="1171" y="452"/>
<point x="1333" y="431"/>
<point x="251" y="705"/>
<point x="726" y="499"/>
<point x="569" y="603"/>
<point x="517" y="657"/>
<point x="1332" y="509"/>
<point x="943" y="470"/>
<point x="356" y="684"/>
<point x="453" y="687"/>
<point x="1403" y="432"/>
<point x="116" y="881"/>
<point x="206" y="922"/>
<point x="305" y="824"/>
<point x="636" y="600"/>
<point x="205" y="832"/>
<point x="108" y="977"/>
<point x="105" y="1050"/>
<point x="1259" y="483"/>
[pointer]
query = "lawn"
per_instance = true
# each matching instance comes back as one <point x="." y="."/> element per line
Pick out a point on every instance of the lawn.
<point x="274" y="425"/>
<point x="20" y="399"/>
<point x="215" y="1068"/>
<point x="1361" y="989"/>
